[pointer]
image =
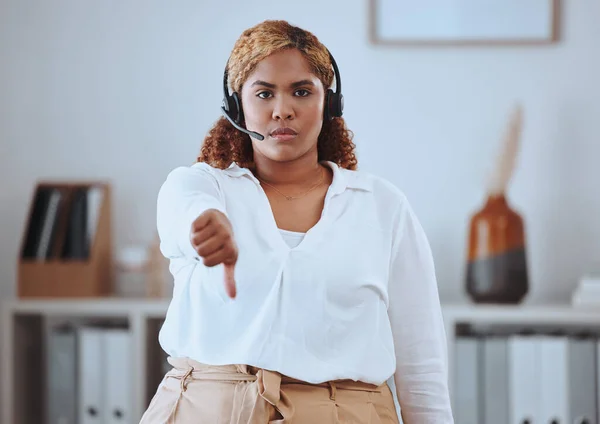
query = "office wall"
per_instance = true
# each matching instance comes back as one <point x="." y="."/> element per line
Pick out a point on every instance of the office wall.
<point x="126" y="91"/>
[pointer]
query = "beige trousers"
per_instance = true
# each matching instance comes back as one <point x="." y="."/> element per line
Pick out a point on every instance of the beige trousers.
<point x="238" y="394"/>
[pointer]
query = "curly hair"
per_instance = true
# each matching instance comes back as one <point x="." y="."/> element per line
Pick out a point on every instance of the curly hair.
<point x="224" y="144"/>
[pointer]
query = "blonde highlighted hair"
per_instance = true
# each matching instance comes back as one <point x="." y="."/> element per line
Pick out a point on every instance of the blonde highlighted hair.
<point x="224" y="144"/>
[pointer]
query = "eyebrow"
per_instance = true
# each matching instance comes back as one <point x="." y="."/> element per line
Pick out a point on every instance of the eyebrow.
<point x="293" y="85"/>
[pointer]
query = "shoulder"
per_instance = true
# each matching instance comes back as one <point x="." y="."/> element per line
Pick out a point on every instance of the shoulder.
<point x="199" y="169"/>
<point x="202" y="171"/>
<point x="385" y="199"/>
<point x="382" y="189"/>
<point x="199" y="177"/>
<point x="202" y="177"/>
<point x="397" y="208"/>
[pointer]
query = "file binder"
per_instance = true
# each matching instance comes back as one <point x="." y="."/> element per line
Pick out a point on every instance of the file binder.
<point x="468" y="390"/>
<point x="91" y="376"/>
<point x="495" y="380"/>
<point x="118" y="385"/>
<point x="582" y="381"/>
<point x="523" y="379"/>
<point x="62" y="375"/>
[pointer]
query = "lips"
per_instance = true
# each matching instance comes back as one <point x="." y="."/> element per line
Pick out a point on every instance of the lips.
<point x="283" y="131"/>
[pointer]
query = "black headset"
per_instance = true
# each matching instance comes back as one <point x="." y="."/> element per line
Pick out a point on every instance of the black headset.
<point x="232" y="103"/>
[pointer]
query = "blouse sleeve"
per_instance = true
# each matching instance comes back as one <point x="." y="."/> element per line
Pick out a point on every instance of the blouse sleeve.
<point x="421" y="375"/>
<point x="186" y="194"/>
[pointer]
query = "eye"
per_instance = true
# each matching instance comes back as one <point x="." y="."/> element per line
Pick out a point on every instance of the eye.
<point x="302" y="92"/>
<point x="264" y="94"/>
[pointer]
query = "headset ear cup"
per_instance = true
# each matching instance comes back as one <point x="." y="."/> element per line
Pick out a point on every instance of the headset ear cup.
<point x="334" y="105"/>
<point x="229" y="106"/>
<point x="328" y="105"/>
<point x="239" y="113"/>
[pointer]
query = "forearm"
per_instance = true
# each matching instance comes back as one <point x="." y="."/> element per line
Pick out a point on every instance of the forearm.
<point x="415" y="313"/>
<point x="421" y="374"/>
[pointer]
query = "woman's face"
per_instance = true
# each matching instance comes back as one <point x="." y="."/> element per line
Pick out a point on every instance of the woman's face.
<point x="283" y="100"/>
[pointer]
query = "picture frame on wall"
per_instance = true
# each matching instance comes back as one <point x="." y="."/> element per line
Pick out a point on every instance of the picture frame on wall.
<point x="464" y="22"/>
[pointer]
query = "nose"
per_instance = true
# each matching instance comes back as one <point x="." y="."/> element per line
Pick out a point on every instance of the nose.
<point x="283" y="109"/>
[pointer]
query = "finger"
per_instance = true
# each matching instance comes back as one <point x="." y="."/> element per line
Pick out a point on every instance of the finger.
<point x="230" y="280"/>
<point x="202" y="221"/>
<point x="215" y="258"/>
<point x="210" y="246"/>
<point x="199" y="237"/>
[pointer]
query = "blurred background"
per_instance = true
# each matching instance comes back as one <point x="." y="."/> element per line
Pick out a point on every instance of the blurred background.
<point x="125" y="91"/>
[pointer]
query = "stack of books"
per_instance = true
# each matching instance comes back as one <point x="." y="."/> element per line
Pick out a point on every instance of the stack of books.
<point x="587" y="292"/>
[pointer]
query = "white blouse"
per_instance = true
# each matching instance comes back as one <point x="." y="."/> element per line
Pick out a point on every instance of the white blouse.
<point x="355" y="297"/>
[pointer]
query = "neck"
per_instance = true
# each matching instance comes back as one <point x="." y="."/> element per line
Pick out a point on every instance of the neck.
<point x="299" y="171"/>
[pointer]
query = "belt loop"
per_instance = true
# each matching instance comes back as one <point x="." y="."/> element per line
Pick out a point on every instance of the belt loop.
<point x="332" y="389"/>
<point x="183" y="387"/>
<point x="184" y="379"/>
<point x="269" y="385"/>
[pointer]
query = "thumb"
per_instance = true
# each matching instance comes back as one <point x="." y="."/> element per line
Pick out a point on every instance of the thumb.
<point x="230" y="280"/>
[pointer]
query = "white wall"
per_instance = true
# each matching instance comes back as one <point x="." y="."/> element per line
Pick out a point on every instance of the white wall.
<point x="127" y="90"/>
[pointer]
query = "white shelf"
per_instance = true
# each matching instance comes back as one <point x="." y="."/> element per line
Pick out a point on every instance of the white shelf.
<point x="105" y="307"/>
<point x="560" y="314"/>
<point x="474" y="313"/>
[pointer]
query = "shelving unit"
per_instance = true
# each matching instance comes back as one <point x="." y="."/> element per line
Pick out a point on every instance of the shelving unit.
<point x="24" y="320"/>
<point x="513" y="319"/>
<point x="23" y="326"/>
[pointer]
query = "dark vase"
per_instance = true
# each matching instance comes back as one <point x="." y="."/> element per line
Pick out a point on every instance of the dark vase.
<point x="497" y="263"/>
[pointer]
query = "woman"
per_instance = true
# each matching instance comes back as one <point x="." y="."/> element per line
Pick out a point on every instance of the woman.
<point x="301" y="284"/>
